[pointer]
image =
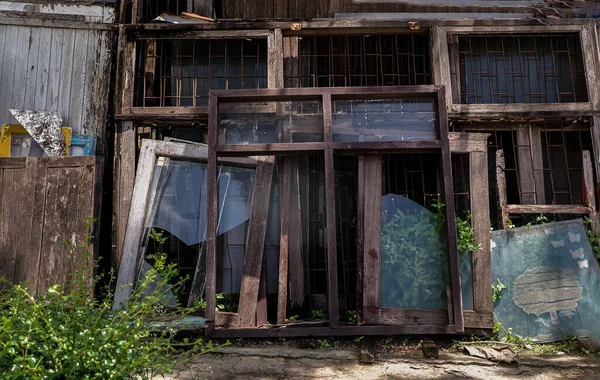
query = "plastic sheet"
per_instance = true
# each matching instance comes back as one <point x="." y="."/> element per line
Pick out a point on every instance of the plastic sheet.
<point x="552" y="280"/>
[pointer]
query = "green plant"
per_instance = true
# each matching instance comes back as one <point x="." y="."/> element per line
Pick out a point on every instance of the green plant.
<point x="352" y="317"/>
<point x="323" y="343"/>
<point x="67" y="334"/>
<point x="358" y="339"/>
<point x="292" y="318"/>
<point x="225" y="303"/>
<point x="318" y="314"/>
<point x="388" y="340"/>
<point x="497" y="290"/>
<point x="465" y="234"/>
<point x="539" y="219"/>
<point x="593" y="237"/>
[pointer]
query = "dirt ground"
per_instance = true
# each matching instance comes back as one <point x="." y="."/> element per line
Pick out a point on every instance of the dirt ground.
<point x="271" y="361"/>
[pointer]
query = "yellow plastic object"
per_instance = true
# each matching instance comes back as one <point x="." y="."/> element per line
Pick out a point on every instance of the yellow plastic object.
<point x="6" y="137"/>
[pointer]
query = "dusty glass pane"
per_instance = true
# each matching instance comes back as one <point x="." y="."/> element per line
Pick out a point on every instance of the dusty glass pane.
<point x="384" y="120"/>
<point x="552" y="281"/>
<point x="23" y="145"/>
<point x="414" y="265"/>
<point x="270" y="122"/>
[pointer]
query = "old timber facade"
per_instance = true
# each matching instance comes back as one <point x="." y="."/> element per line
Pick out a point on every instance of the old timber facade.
<point x="337" y="131"/>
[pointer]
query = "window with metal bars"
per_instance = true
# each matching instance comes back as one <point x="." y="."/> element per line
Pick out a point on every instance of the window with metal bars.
<point x="518" y="69"/>
<point x="153" y="8"/>
<point x="361" y="60"/>
<point x="544" y="163"/>
<point x="179" y="73"/>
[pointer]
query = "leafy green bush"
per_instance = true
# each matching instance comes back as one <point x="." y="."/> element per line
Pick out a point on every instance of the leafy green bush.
<point x="67" y="334"/>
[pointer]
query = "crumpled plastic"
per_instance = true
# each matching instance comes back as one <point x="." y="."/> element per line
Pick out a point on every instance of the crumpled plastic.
<point x="45" y="128"/>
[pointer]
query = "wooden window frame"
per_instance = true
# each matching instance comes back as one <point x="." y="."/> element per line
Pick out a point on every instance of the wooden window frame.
<point x="515" y="111"/>
<point x="328" y="147"/>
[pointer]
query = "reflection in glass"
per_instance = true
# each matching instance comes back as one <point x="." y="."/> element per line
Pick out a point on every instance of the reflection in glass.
<point x="270" y="122"/>
<point x="384" y="120"/>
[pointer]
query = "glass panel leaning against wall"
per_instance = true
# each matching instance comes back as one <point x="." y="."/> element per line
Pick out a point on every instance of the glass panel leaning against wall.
<point x="414" y="254"/>
<point x="175" y="222"/>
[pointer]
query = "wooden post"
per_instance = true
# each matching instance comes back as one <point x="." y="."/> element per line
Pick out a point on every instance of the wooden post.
<point x="589" y="195"/>
<point x="296" y="271"/>
<point x="501" y="183"/>
<point x="530" y="162"/>
<point x="255" y="242"/>
<point x="283" y="243"/>
<point x="441" y="70"/>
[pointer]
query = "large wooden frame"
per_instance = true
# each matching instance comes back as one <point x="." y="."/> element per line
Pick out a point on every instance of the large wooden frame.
<point x="327" y="147"/>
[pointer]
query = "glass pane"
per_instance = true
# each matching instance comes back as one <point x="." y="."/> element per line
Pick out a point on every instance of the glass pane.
<point x="175" y="225"/>
<point x="384" y="120"/>
<point x="23" y="145"/>
<point x="270" y="122"/>
<point x="414" y="261"/>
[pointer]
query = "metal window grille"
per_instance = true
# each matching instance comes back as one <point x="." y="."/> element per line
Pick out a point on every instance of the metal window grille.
<point x="556" y="160"/>
<point x="153" y="8"/>
<point x="519" y="69"/>
<point x="178" y="73"/>
<point x="361" y="60"/>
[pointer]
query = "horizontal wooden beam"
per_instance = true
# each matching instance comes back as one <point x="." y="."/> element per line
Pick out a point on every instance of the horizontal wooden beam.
<point x="468" y="142"/>
<point x="47" y="21"/>
<point x="512" y="112"/>
<point x="392" y="316"/>
<point x="163" y="113"/>
<point x="367" y="147"/>
<point x="548" y="209"/>
<point x="269" y="149"/>
<point x="187" y="33"/>
<point x="49" y="162"/>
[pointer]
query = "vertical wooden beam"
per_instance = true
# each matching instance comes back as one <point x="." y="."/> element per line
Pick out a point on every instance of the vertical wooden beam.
<point x="589" y="195"/>
<point x="296" y="273"/>
<point x="480" y="219"/>
<point x="372" y="177"/>
<point x="125" y="76"/>
<point x="595" y="130"/>
<point x="448" y="195"/>
<point x="137" y="9"/>
<point x="590" y="58"/>
<point x="440" y="63"/>
<point x="360" y="216"/>
<point x="255" y="241"/>
<point x="261" y="304"/>
<point x="124" y="178"/>
<point x="275" y="59"/>
<point x="211" y="216"/>
<point x="332" y="281"/>
<point x="530" y="163"/>
<point x="131" y="256"/>
<point x="501" y="183"/>
<point x="290" y="62"/>
<point x="283" y="243"/>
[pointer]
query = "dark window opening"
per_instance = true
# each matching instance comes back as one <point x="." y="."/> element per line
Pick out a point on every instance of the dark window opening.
<point x="370" y="60"/>
<point x="519" y="69"/>
<point x="179" y="73"/>
<point x="154" y="8"/>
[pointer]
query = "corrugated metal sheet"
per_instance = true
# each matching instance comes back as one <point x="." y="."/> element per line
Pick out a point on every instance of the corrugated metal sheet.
<point x="60" y="70"/>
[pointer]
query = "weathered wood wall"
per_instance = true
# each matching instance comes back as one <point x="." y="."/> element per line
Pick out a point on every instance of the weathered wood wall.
<point x="43" y="202"/>
<point x="65" y="70"/>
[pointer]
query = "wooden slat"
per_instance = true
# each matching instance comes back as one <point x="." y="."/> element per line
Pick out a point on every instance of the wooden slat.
<point x="501" y="185"/>
<point x="360" y="254"/>
<point x="547" y="209"/>
<point x="479" y="320"/>
<point x="257" y="228"/>
<point x="589" y="194"/>
<point x="372" y="182"/>
<point x="331" y="235"/>
<point x="282" y="288"/>
<point x="261" y="304"/>
<point x="130" y="257"/>
<point x="478" y="112"/>
<point x="270" y="149"/>
<point x="468" y="142"/>
<point x="480" y="219"/>
<point x="595" y="131"/>
<point x="530" y="164"/>
<point x="441" y="64"/>
<point x="297" y="274"/>
<point x="589" y="51"/>
<point x="389" y="316"/>
<point x="211" y="216"/>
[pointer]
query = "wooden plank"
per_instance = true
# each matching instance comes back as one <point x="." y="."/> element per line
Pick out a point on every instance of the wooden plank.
<point x="124" y="179"/>
<point x="269" y="149"/>
<point x="78" y="79"/>
<point x="211" y="216"/>
<point x="38" y="20"/>
<point x="501" y="184"/>
<point x="589" y="51"/>
<point x="468" y="142"/>
<point x="441" y="66"/>
<point x="389" y="316"/>
<point x="595" y="131"/>
<point x="589" y="195"/>
<point x="331" y="235"/>
<point x="53" y="80"/>
<point x="297" y="274"/>
<point x="479" y="320"/>
<point x="547" y="209"/>
<point x="20" y="70"/>
<point x="131" y="257"/>
<point x="476" y="112"/>
<point x="43" y="69"/>
<point x="202" y="8"/>
<point x="30" y="63"/>
<point x="480" y="220"/>
<point x="67" y="62"/>
<point x="372" y="177"/>
<point x="225" y="319"/>
<point x="360" y="217"/>
<point x="282" y="288"/>
<point x="531" y="169"/>
<point x="255" y="242"/>
<point x="261" y="305"/>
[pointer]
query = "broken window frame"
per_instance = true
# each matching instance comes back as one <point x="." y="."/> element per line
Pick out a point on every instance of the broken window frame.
<point x="441" y="145"/>
<point x="132" y="253"/>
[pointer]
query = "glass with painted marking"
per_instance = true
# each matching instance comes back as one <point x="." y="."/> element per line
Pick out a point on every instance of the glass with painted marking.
<point x="384" y="120"/>
<point x="270" y="122"/>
